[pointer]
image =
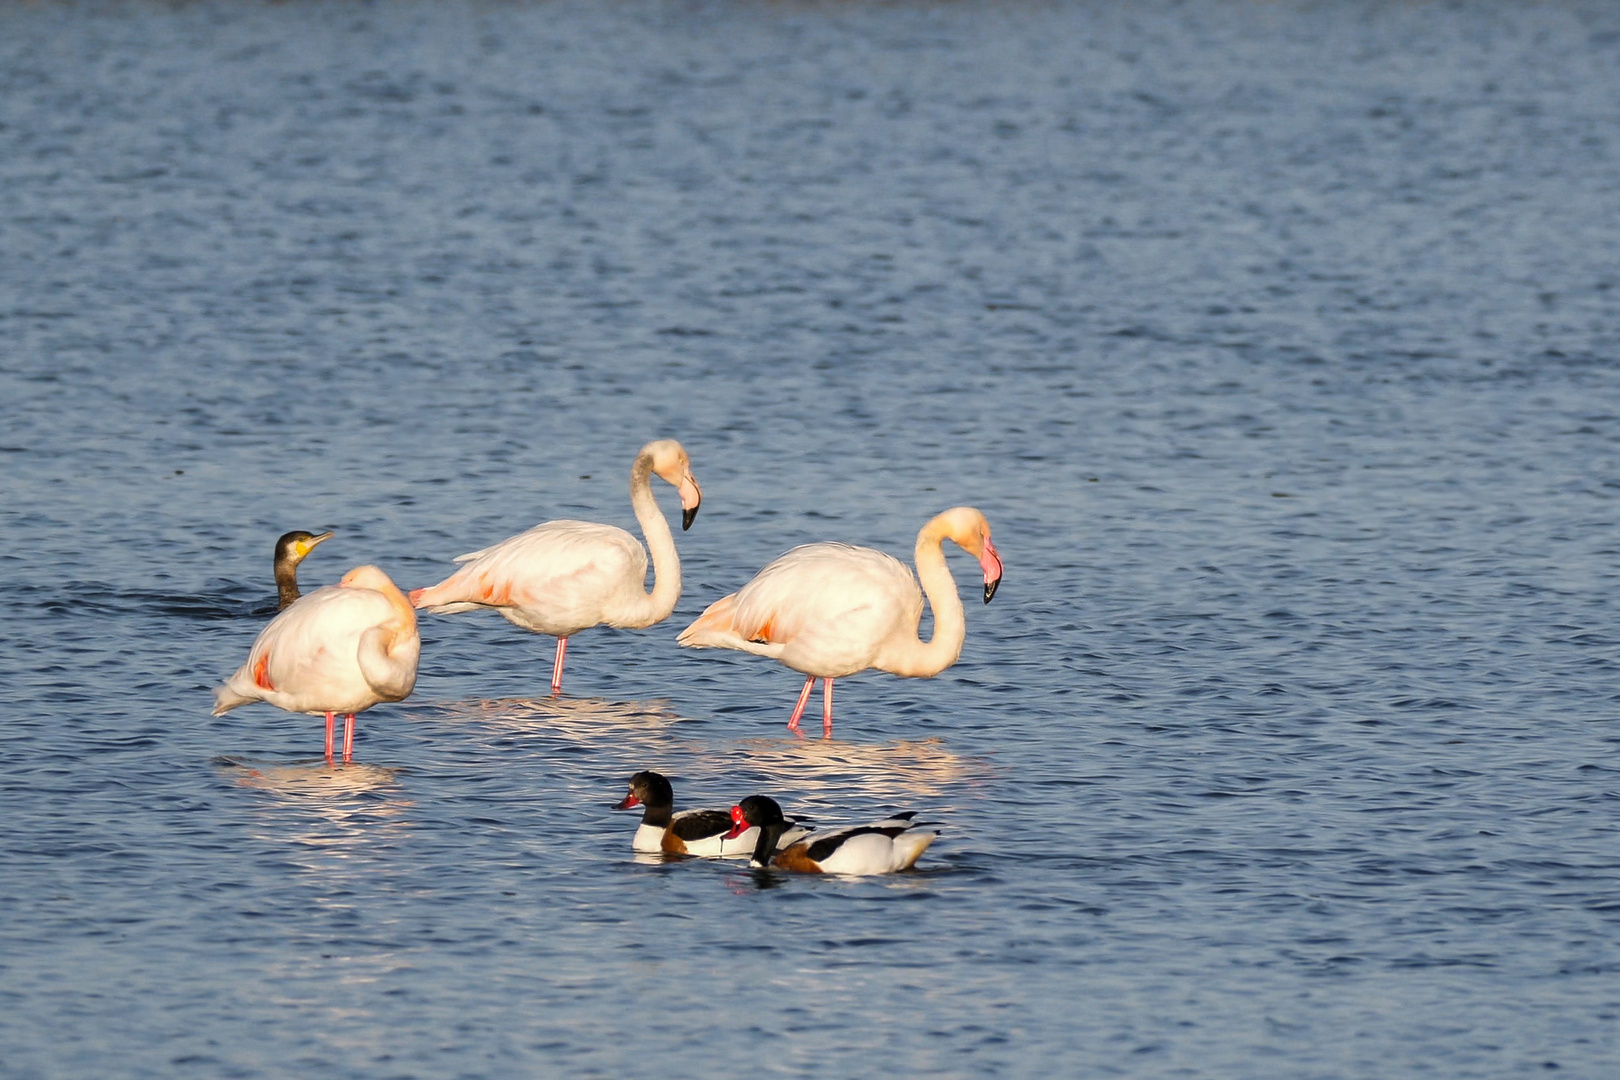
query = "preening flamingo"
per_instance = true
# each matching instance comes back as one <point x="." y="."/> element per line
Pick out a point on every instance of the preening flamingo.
<point x="562" y="577"/>
<point x="883" y="847"/>
<point x="341" y="649"/>
<point x="291" y="549"/>
<point x="830" y="610"/>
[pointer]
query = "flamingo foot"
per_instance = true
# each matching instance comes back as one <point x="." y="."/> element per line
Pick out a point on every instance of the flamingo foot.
<point x="798" y="710"/>
<point x="557" y="666"/>
<point x="348" y="738"/>
<point x="329" y="717"/>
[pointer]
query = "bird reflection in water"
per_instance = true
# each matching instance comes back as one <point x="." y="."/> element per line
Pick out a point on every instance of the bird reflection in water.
<point x="578" y="720"/>
<point x="878" y="772"/>
<point x="354" y="806"/>
<point x="754" y="879"/>
<point x="313" y="778"/>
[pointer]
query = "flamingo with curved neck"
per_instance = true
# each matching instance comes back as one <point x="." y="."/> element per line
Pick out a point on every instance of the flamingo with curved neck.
<point x="338" y="650"/>
<point x="829" y="610"/>
<point x="561" y="577"/>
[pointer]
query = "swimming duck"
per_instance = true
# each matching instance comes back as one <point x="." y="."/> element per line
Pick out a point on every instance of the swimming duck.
<point x="690" y="832"/>
<point x="291" y="550"/>
<point x="561" y="577"/>
<point x="883" y="847"/>
<point x="341" y="649"/>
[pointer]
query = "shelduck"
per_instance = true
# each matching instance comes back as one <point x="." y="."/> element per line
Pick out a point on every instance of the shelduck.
<point x="882" y="847"/>
<point x="709" y="833"/>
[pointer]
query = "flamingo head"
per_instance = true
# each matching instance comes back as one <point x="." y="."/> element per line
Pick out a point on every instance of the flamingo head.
<point x="970" y="531"/>
<point x="367" y="577"/>
<point x="370" y="577"/>
<point x="670" y="462"/>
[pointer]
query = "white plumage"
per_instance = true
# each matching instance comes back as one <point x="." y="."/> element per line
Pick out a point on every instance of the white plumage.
<point x="561" y="577"/>
<point x="340" y="649"/>
<point x="830" y="610"/>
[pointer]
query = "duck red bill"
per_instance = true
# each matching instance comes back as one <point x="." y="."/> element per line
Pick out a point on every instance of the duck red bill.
<point x="628" y="801"/>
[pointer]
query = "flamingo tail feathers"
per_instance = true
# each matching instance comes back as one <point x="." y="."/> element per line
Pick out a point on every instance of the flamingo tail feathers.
<point x="717" y="628"/>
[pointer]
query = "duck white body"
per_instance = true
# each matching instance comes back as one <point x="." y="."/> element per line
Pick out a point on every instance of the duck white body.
<point x="882" y="847"/>
<point x="858" y="853"/>
<point x="716" y="845"/>
<point x="830" y="610"/>
<point x="340" y="649"/>
<point x="561" y="577"/>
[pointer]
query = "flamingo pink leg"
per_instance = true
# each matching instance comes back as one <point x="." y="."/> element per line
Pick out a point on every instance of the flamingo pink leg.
<point x="556" y="667"/>
<point x="826" y="708"/>
<point x="798" y="710"/>
<point x="329" y="738"/>
<point x="348" y="738"/>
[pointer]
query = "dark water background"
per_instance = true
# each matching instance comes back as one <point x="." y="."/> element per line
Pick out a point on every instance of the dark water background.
<point x="1278" y="341"/>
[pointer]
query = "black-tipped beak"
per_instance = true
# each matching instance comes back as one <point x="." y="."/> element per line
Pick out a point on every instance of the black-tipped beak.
<point x="990" y="588"/>
<point x="687" y="517"/>
<point x="627" y="802"/>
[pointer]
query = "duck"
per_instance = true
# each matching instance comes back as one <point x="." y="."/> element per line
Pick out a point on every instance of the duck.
<point x="710" y="833"/>
<point x="338" y="650"/>
<point x="561" y="577"/>
<point x="291" y="549"/>
<point x="882" y="847"/>
<point x="829" y="610"/>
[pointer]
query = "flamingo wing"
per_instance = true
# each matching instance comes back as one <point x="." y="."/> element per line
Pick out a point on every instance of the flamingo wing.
<point x="557" y="578"/>
<point x="829" y="606"/>
<point x="306" y="659"/>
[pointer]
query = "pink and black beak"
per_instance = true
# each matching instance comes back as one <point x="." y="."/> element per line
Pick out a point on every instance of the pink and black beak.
<point x="739" y="824"/>
<point x="991" y="564"/>
<point x="627" y="802"/>
<point x="691" y="499"/>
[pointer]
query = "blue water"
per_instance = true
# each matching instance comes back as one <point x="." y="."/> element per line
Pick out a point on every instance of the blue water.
<point x="1278" y="342"/>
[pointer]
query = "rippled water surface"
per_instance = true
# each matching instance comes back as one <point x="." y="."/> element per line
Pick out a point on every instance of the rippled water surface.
<point x="1277" y="341"/>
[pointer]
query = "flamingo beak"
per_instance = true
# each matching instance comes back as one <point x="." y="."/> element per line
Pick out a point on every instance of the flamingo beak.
<point x="739" y="824"/>
<point x="627" y="802"/>
<point x="991" y="562"/>
<point x="691" y="499"/>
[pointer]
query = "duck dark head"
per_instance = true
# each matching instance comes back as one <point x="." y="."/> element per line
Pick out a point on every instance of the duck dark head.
<point x="648" y="789"/>
<point x="763" y="812"/>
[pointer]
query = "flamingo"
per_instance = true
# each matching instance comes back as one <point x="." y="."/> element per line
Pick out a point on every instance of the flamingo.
<point x="883" y="847"/>
<point x="340" y="649"/>
<point x="829" y="610"/>
<point x="291" y="549"/>
<point x="561" y="577"/>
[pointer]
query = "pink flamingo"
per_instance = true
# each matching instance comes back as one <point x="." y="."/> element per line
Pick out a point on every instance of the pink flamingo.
<point x="830" y="610"/>
<point x="341" y="649"/>
<point x="561" y="577"/>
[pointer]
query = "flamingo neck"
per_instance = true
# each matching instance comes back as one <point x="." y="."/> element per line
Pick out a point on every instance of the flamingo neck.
<point x="403" y="624"/>
<point x="666" y="564"/>
<point x="915" y="657"/>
